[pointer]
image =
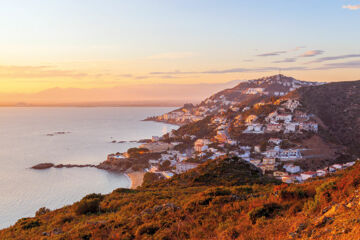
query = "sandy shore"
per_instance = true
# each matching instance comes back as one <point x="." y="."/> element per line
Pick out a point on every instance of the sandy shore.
<point x="136" y="178"/>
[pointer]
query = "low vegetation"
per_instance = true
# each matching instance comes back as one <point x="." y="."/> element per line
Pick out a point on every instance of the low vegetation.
<point x="222" y="199"/>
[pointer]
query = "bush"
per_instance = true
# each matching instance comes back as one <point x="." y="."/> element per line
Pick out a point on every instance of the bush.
<point x="66" y="219"/>
<point x="268" y="211"/>
<point x="87" y="206"/>
<point x="148" y="228"/>
<point x="29" y="223"/>
<point x="42" y="211"/>
<point x="150" y="178"/>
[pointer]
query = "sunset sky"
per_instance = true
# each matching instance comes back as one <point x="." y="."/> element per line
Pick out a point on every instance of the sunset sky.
<point x="110" y="43"/>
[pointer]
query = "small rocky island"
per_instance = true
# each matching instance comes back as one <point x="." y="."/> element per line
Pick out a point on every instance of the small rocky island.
<point x="42" y="166"/>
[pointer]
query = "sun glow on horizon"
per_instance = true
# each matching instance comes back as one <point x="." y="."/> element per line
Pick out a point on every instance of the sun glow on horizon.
<point x="106" y="44"/>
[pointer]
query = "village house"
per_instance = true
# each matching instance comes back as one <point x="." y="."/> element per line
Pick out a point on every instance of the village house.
<point x="291" y="168"/>
<point x="267" y="167"/>
<point x="301" y="116"/>
<point x="184" y="167"/>
<point x="291" y="127"/>
<point x="337" y="166"/>
<point x="289" y="154"/>
<point x="275" y="141"/>
<point x="274" y="127"/>
<point x="283" y="154"/>
<point x="306" y="175"/>
<point x="291" y="104"/>
<point x="272" y="117"/>
<point x="257" y="149"/>
<point x="268" y="160"/>
<point x="157" y="146"/>
<point x="321" y="172"/>
<point x="284" y="117"/>
<point x="181" y="157"/>
<point x="254" y="128"/>
<point x="279" y="174"/>
<point x="245" y="109"/>
<point x="348" y="164"/>
<point x="332" y="169"/>
<point x="153" y="169"/>
<point x="252" y="91"/>
<point x="272" y="153"/>
<point x="200" y="145"/>
<point x="309" y="126"/>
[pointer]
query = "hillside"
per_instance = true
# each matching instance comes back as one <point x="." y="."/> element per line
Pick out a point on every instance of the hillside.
<point x="325" y="208"/>
<point x="337" y="105"/>
<point x="244" y="94"/>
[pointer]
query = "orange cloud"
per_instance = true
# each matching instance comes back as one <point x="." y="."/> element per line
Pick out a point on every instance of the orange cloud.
<point x="352" y="7"/>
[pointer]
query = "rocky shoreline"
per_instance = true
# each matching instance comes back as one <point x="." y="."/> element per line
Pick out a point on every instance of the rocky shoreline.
<point x="43" y="166"/>
<point x="135" y="177"/>
<point x="153" y="119"/>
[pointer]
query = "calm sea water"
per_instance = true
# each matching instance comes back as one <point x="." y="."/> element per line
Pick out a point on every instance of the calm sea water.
<point x="24" y="143"/>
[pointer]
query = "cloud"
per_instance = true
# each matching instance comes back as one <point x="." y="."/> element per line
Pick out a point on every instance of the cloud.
<point x="312" y="53"/>
<point x="352" y="7"/>
<point x="286" y="60"/>
<point x="352" y="64"/>
<point x="37" y="72"/>
<point x="231" y="70"/>
<point x="324" y="59"/>
<point x="271" y="54"/>
<point x="277" y="53"/>
<point x="298" y="48"/>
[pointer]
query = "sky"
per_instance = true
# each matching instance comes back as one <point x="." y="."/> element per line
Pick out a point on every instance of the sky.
<point x="107" y="44"/>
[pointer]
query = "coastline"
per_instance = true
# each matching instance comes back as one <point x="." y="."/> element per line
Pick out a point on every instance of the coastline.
<point x="136" y="178"/>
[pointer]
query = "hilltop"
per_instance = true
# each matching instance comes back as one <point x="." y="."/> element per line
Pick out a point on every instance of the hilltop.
<point x="243" y="94"/>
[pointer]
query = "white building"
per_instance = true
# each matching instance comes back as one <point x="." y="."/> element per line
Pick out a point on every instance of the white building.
<point x="306" y="175"/>
<point x="183" y="167"/>
<point x="275" y="141"/>
<point x="254" y="128"/>
<point x="291" y="168"/>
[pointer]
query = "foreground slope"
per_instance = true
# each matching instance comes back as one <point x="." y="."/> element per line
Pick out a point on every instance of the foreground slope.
<point x="325" y="208"/>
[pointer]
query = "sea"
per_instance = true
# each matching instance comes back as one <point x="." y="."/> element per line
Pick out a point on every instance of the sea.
<point x="64" y="135"/>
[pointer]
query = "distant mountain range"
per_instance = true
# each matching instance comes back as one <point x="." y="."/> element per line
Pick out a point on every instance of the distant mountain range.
<point x="126" y="95"/>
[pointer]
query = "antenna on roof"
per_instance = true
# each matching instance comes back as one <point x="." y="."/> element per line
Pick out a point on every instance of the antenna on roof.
<point x="279" y="76"/>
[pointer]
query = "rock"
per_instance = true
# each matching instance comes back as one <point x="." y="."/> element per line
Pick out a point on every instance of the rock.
<point x="43" y="166"/>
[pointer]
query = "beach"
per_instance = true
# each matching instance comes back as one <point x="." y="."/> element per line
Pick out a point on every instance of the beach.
<point x="136" y="178"/>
